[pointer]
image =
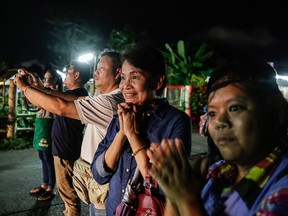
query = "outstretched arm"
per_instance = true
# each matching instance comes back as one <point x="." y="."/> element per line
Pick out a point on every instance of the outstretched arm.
<point x="180" y="183"/>
<point x="48" y="99"/>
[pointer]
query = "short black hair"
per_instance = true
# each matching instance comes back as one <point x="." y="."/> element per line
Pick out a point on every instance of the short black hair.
<point x="84" y="69"/>
<point x="150" y="59"/>
<point x="244" y="69"/>
<point x="116" y="57"/>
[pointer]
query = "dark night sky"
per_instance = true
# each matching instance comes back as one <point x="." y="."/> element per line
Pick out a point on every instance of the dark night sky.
<point x="257" y="26"/>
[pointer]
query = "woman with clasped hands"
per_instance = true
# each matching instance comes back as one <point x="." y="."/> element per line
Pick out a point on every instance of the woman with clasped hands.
<point x="248" y="123"/>
<point x="144" y="117"/>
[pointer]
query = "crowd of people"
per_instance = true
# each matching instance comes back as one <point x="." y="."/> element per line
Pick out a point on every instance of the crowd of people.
<point x="129" y="125"/>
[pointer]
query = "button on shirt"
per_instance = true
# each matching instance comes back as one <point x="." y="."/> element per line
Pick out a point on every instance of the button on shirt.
<point x="165" y="121"/>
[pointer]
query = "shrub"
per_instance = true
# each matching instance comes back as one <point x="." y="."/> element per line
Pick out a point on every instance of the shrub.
<point x="15" y="143"/>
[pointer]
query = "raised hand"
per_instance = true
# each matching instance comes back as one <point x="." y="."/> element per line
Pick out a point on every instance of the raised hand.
<point x="21" y="81"/>
<point x="170" y="167"/>
<point x="32" y="78"/>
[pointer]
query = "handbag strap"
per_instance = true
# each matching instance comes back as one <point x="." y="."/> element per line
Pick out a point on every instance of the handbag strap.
<point x="150" y="183"/>
<point x="135" y="180"/>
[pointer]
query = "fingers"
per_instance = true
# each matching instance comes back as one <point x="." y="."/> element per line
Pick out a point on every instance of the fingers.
<point x="31" y="78"/>
<point x="15" y="80"/>
<point x="119" y="110"/>
<point x="126" y="106"/>
<point x="150" y="152"/>
<point x="166" y="164"/>
<point x="181" y="152"/>
<point x="153" y="153"/>
<point x="169" y="156"/>
<point x="21" y="71"/>
<point x="127" y="113"/>
<point x="171" y="169"/>
<point x="160" y="154"/>
<point x="18" y="81"/>
<point x="123" y="108"/>
<point x="35" y="77"/>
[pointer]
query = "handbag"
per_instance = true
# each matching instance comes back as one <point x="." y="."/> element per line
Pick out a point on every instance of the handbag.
<point x="87" y="189"/>
<point x="135" y="203"/>
<point x="150" y="203"/>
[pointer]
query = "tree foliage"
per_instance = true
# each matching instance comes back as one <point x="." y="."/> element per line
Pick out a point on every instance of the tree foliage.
<point x="70" y="38"/>
<point x="186" y="66"/>
<point x="119" y="39"/>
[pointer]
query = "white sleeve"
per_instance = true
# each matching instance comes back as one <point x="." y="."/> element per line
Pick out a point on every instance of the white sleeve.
<point x="97" y="110"/>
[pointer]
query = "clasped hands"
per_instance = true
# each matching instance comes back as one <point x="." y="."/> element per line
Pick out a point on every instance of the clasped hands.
<point x="127" y="114"/>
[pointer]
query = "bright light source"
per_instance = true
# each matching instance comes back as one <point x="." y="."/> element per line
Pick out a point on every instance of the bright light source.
<point x="282" y="77"/>
<point x="62" y="74"/>
<point x="86" y="57"/>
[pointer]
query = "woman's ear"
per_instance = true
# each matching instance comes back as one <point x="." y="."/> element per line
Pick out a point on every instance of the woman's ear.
<point x="159" y="82"/>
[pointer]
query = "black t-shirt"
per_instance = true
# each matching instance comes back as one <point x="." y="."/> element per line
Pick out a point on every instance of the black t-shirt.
<point x="67" y="133"/>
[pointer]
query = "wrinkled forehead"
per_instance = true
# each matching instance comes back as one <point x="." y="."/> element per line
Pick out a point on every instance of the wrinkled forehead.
<point x="129" y="69"/>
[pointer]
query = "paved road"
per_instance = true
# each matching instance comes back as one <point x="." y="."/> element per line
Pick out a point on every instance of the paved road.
<point x="20" y="170"/>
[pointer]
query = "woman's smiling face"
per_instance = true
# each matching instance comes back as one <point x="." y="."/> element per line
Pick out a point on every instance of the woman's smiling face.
<point x="136" y="85"/>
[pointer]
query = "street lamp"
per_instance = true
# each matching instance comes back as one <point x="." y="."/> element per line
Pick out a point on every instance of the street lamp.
<point x="88" y="57"/>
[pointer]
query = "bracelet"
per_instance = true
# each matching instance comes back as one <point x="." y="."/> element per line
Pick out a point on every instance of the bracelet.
<point x="25" y="89"/>
<point x="138" y="150"/>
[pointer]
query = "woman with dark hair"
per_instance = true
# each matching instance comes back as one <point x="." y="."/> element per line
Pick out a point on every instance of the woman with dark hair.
<point x="56" y="76"/>
<point x="42" y="142"/>
<point x="248" y="122"/>
<point x="144" y="117"/>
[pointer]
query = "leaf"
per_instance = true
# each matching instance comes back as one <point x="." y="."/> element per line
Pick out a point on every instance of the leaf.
<point x="181" y="66"/>
<point x="181" y="49"/>
<point x="200" y="51"/>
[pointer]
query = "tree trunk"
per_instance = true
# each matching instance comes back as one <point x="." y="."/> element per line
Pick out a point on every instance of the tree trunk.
<point x="11" y="129"/>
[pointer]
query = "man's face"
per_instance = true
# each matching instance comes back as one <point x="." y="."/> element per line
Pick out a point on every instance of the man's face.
<point x="104" y="76"/>
<point x="70" y="78"/>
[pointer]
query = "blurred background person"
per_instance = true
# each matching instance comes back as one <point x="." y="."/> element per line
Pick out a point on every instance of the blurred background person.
<point x="43" y="143"/>
<point x="67" y="133"/>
